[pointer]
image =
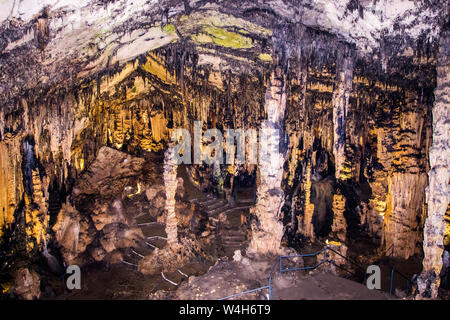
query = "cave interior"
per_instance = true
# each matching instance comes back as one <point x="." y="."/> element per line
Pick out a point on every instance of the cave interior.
<point x="116" y="151"/>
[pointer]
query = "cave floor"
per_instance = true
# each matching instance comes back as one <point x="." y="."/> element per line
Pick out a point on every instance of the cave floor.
<point x="226" y="277"/>
<point x="121" y="282"/>
<point x="325" y="286"/>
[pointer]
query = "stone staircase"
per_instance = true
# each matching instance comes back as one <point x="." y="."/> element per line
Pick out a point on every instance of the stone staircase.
<point x="154" y="237"/>
<point x="227" y="216"/>
<point x="229" y="219"/>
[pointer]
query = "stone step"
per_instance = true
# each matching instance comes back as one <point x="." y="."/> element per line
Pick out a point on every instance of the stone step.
<point x="232" y="243"/>
<point x="153" y="230"/>
<point x="233" y="237"/>
<point x="198" y="200"/>
<point x="236" y="208"/>
<point x="216" y="204"/>
<point x="146" y="224"/>
<point x="220" y="209"/>
<point x="154" y="243"/>
<point x="227" y="231"/>
<point x="207" y="202"/>
<point x="240" y="237"/>
<point x="141" y="251"/>
<point x="144" y="218"/>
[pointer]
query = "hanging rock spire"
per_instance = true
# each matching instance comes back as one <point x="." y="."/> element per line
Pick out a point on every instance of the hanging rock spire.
<point x="341" y="95"/>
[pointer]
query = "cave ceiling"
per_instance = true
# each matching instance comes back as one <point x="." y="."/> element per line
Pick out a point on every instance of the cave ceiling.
<point x="53" y="43"/>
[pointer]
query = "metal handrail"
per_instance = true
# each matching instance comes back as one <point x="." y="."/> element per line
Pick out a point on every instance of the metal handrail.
<point x="392" y="251"/>
<point x="303" y="255"/>
<point x="392" y="279"/>
<point x="348" y="259"/>
<point x="323" y="262"/>
<point x="342" y="268"/>
<point x="257" y="289"/>
<point x="395" y="271"/>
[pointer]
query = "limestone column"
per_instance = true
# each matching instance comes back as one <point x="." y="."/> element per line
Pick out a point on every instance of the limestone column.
<point x="307" y="227"/>
<point x="438" y="190"/>
<point x="341" y="95"/>
<point x="266" y="236"/>
<point x="170" y="185"/>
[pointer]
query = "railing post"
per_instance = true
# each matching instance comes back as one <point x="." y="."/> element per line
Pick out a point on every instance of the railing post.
<point x="280" y="266"/>
<point x="324" y="258"/>
<point x="346" y="268"/>
<point x="392" y="278"/>
<point x="270" y="287"/>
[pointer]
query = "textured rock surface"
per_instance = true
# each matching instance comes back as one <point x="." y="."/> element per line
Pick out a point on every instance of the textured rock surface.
<point x="91" y="92"/>
<point x="341" y="96"/>
<point x="438" y="191"/>
<point x="94" y="35"/>
<point x="170" y="186"/>
<point x="267" y="234"/>
<point x="71" y="233"/>
<point x="107" y="198"/>
<point x="27" y="284"/>
<point x="339" y="227"/>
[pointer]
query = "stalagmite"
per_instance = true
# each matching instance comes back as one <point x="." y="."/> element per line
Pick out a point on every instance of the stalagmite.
<point x="266" y="237"/>
<point x="170" y="185"/>
<point x="11" y="188"/>
<point x="339" y="227"/>
<point x="341" y="95"/>
<point x="438" y="190"/>
<point x="402" y="221"/>
<point x="307" y="227"/>
<point x="407" y="179"/>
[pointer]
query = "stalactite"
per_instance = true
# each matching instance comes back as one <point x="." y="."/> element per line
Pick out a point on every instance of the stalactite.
<point x="355" y="142"/>
<point x="438" y="191"/>
<point x="341" y="95"/>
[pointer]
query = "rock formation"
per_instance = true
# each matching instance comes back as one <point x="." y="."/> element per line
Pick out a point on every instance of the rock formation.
<point x="170" y="186"/>
<point x="341" y="96"/>
<point x="266" y="235"/>
<point x="350" y="99"/>
<point x="438" y="190"/>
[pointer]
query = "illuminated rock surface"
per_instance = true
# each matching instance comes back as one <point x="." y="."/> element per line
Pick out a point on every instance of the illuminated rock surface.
<point x="91" y="92"/>
<point x="438" y="192"/>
